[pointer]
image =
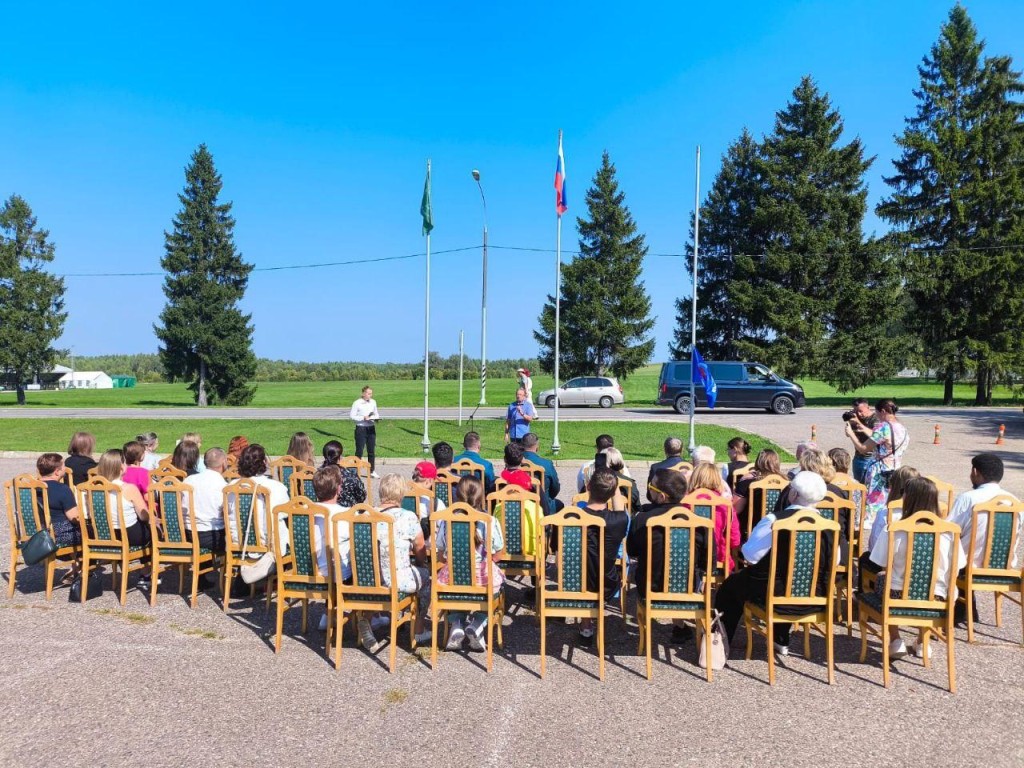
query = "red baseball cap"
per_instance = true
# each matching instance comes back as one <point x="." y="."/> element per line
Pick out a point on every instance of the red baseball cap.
<point x="426" y="470"/>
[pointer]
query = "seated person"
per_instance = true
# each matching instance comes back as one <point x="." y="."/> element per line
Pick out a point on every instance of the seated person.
<point x="413" y="577"/>
<point x="602" y="489"/>
<point x="80" y="460"/>
<point x="136" y="474"/>
<point x="751" y="583"/>
<point x="840" y="460"/>
<point x="326" y="485"/>
<point x="766" y="465"/>
<point x="444" y="455"/>
<point x="64" y="515"/>
<point x="352" y="490"/>
<point x="897" y="487"/>
<point x="471" y="451"/>
<point x="616" y="465"/>
<point x="552" y="485"/>
<point x="208" y="494"/>
<point x="921" y="496"/>
<point x="514" y="473"/>
<point x="583" y="476"/>
<point x="706" y="477"/>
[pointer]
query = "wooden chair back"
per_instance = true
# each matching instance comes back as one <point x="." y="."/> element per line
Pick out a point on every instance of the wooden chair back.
<point x="102" y="504"/>
<point x="706" y="504"/>
<point x="536" y="472"/>
<point x="582" y="496"/>
<point x="414" y="493"/>
<point x="859" y="496"/>
<point x="176" y="502"/>
<point x="737" y="473"/>
<point x="231" y="474"/>
<point x="625" y="491"/>
<point x="923" y="533"/>
<point x="282" y="468"/>
<point x="683" y="565"/>
<point x="28" y="508"/>
<point x="763" y="496"/>
<point x="166" y="473"/>
<point x="68" y="479"/>
<point x="366" y="530"/>
<point x="232" y="461"/>
<point x="1003" y="515"/>
<point x="444" y="486"/>
<point x="682" y="466"/>
<point x="248" y="522"/>
<point x="301" y="483"/>
<point x="800" y="559"/>
<point x="518" y="513"/>
<point x="167" y="462"/>
<point x="841" y="511"/>
<point x="298" y="570"/>
<point x="469" y="467"/>
<point x="362" y="470"/>
<point x="570" y="528"/>
<point x="946" y="494"/>
<point x="462" y="524"/>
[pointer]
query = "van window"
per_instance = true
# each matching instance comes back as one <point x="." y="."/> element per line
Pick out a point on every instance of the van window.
<point x="757" y="372"/>
<point x="727" y="371"/>
<point x="681" y="371"/>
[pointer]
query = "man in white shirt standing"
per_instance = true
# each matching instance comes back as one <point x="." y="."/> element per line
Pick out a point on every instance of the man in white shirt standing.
<point x="986" y="472"/>
<point x="207" y="493"/>
<point x="364" y="414"/>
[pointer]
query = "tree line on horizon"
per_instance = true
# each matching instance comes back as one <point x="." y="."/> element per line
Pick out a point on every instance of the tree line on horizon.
<point x="786" y="274"/>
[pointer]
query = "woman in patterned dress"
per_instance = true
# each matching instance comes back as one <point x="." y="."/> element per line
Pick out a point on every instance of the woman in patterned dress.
<point x="888" y="442"/>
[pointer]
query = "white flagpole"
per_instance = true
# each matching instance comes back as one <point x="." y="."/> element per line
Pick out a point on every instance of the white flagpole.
<point x="461" y="358"/>
<point x="555" y="445"/>
<point x="425" y="443"/>
<point x="693" y="307"/>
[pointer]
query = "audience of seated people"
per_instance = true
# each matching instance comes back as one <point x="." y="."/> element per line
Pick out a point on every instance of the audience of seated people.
<point x="471" y="451"/>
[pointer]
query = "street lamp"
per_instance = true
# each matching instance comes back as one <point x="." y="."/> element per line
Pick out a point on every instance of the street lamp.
<point x="483" y="301"/>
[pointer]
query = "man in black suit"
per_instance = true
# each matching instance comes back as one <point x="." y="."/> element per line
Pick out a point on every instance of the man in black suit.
<point x="673" y="456"/>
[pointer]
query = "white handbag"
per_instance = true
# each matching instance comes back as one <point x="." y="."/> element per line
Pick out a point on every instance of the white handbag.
<point x="719" y="644"/>
<point x="259" y="570"/>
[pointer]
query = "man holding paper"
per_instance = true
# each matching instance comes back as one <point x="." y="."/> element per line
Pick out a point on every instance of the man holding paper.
<point x="364" y="414"/>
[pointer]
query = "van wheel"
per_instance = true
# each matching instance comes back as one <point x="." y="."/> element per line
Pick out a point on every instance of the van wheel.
<point x="550" y="402"/>
<point x="605" y="402"/>
<point x="682" y="405"/>
<point x="782" y="405"/>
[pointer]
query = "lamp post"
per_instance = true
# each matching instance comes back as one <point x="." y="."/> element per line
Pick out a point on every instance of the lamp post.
<point x="483" y="301"/>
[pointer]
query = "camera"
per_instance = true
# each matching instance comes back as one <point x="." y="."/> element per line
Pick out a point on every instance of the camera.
<point x="849" y="415"/>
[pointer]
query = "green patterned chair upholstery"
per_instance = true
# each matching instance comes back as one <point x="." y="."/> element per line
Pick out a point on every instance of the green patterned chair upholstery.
<point x="1000" y="570"/>
<point x="101" y="503"/>
<point x="169" y="537"/>
<point x="464" y="590"/>
<point x="685" y="589"/>
<point x="464" y="467"/>
<point x="920" y="541"/>
<point x="283" y="467"/>
<point x="831" y="508"/>
<point x="763" y="496"/>
<point x="798" y="546"/>
<point x="28" y="512"/>
<point x="414" y="493"/>
<point x="570" y="596"/>
<point x="518" y="513"/>
<point x="366" y="531"/>
<point x="301" y="484"/>
<point x="247" y="529"/>
<point x="299" y="576"/>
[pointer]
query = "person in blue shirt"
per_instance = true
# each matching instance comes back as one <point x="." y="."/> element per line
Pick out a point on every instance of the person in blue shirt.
<point x="551" y="484"/>
<point x="518" y="418"/>
<point x="471" y="451"/>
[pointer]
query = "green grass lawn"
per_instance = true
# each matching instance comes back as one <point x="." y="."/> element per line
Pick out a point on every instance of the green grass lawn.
<point x="397" y="438"/>
<point x="640" y="389"/>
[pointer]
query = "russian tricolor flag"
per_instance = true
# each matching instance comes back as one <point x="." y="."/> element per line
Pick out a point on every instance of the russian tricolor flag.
<point x="561" y="204"/>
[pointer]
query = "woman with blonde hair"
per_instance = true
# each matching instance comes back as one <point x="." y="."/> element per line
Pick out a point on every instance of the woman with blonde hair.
<point x="195" y="437"/>
<point x="301" y="447"/>
<point x="111" y="467"/>
<point x="615" y="464"/>
<point x="765" y="465"/>
<point x="706" y="477"/>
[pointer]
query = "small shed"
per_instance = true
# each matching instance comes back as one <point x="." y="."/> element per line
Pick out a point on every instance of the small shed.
<point x="123" y="382"/>
<point x="85" y="380"/>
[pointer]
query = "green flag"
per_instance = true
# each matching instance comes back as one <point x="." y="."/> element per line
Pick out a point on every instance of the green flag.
<point x="425" y="210"/>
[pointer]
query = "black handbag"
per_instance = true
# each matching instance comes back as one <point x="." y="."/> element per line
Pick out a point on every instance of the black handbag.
<point x="39" y="547"/>
<point x="93" y="588"/>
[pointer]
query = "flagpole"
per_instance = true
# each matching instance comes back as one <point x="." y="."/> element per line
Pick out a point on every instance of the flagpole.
<point x="425" y="443"/>
<point x="461" y="359"/>
<point x="555" y="445"/>
<point x="693" y="307"/>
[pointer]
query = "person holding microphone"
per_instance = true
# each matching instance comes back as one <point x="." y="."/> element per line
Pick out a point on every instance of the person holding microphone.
<point x="518" y="418"/>
<point x="364" y="414"/>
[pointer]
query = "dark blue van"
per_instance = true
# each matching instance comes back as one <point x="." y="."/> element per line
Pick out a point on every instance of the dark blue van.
<point x="740" y="385"/>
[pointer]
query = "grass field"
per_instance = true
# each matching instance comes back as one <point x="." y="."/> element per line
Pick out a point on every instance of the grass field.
<point x="640" y="389"/>
<point x="397" y="438"/>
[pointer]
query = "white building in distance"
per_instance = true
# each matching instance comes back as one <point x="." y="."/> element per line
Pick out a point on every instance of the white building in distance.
<point x="85" y="380"/>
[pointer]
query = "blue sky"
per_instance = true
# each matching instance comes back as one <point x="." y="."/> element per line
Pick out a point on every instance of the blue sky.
<point x="321" y="121"/>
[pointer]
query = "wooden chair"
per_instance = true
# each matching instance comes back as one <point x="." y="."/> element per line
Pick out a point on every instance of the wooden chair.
<point x="831" y="508"/>
<point x="536" y="472"/>
<point x="624" y="489"/>
<point x="166" y="473"/>
<point x="464" y="591"/>
<point x="414" y="493"/>
<point x="232" y="461"/>
<point x="569" y="597"/>
<point x="68" y="479"/>
<point x="681" y="596"/>
<point x="166" y="463"/>
<point x="248" y="527"/>
<point x="799" y="555"/>
<point x="999" y="572"/>
<point x="521" y="525"/>
<point x="859" y="496"/>
<point x="469" y="467"/>
<point x="583" y="496"/>
<point x="301" y="484"/>
<point x="705" y="504"/>
<point x="170" y="544"/>
<point x="737" y="473"/>
<point x="946" y="494"/>
<point x="362" y="470"/>
<point x="682" y="466"/>
<point x="282" y="468"/>
<point x="763" y="496"/>
<point x="299" y="576"/>
<point x="92" y="472"/>
<point x="28" y="512"/>
<point x="101" y="503"/>
<point x="367" y="530"/>
<point x="444" y="486"/>
<point x="918" y="604"/>
<point x="230" y="474"/>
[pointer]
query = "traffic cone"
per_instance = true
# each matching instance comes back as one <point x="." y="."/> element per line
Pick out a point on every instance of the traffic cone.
<point x="936" y="441"/>
<point x="1002" y="431"/>
<point x="814" y="433"/>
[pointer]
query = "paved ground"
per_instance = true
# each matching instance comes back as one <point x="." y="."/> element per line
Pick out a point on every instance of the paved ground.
<point x="97" y="684"/>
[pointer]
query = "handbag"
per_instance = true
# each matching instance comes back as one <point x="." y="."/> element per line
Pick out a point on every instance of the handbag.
<point x="39" y="547"/>
<point x="253" y="572"/>
<point x="93" y="587"/>
<point x="719" y="644"/>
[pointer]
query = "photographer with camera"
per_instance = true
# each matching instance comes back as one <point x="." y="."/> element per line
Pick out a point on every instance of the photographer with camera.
<point x="887" y="443"/>
<point x="862" y="456"/>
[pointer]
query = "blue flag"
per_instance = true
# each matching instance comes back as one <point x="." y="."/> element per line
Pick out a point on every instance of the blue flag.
<point x="702" y="375"/>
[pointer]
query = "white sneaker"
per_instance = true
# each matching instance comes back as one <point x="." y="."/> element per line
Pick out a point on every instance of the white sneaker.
<point x="917" y="651"/>
<point x="476" y="638"/>
<point x="897" y="649"/>
<point x="374" y="475"/>
<point x="780" y="649"/>
<point x="323" y="623"/>
<point x="455" y="637"/>
<point x="366" y="636"/>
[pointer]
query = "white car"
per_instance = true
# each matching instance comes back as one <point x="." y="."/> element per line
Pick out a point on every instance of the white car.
<point x="585" y="390"/>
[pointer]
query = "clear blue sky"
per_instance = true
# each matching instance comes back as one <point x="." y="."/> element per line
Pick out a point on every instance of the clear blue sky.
<point x="321" y="122"/>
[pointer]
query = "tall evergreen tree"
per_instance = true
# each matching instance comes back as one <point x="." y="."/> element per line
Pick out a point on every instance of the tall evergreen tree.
<point x="205" y="337"/>
<point x="957" y="203"/>
<point x="31" y="301"/>
<point x="605" y="310"/>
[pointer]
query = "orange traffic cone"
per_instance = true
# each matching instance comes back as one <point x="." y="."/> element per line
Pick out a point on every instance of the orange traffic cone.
<point x="936" y="441"/>
<point x="1002" y="431"/>
<point x="814" y="433"/>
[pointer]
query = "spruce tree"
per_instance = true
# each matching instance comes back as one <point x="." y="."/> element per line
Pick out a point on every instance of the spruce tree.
<point x="206" y="339"/>
<point x="958" y="203"/>
<point x="31" y="300"/>
<point x="605" y="310"/>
